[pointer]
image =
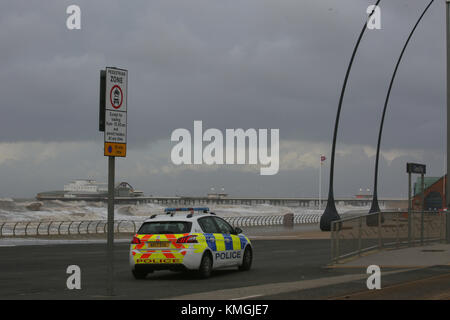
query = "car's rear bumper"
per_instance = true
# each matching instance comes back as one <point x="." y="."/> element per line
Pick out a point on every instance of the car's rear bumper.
<point x="159" y="266"/>
<point x="165" y="259"/>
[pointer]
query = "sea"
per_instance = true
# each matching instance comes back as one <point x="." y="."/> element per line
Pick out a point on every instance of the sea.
<point x="55" y="210"/>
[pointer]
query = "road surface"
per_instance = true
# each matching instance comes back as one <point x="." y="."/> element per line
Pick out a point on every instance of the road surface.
<point x="282" y="269"/>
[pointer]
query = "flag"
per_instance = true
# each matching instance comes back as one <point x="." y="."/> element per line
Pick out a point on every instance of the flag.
<point x="322" y="158"/>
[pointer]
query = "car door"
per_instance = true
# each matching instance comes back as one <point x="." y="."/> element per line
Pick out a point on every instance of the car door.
<point x="213" y="240"/>
<point x="231" y="242"/>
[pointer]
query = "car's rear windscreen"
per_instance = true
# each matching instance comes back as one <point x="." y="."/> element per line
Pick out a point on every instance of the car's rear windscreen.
<point x="165" y="227"/>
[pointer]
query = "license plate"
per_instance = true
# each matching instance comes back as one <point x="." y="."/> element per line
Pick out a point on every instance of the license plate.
<point x="158" y="244"/>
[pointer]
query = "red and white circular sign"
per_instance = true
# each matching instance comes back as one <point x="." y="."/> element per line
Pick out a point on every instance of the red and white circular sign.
<point x="116" y="97"/>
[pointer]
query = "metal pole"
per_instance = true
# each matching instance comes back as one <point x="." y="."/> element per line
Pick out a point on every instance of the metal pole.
<point x="330" y="213"/>
<point x="320" y="183"/>
<point x="447" y="191"/>
<point x="409" y="209"/>
<point x="375" y="207"/>
<point x="398" y="229"/>
<point x="110" y="234"/>
<point x="359" y="235"/>
<point x="423" y="208"/>
<point x="380" y="241"/>
<point x="332" y="242"/>
<point x="336" y="237"/>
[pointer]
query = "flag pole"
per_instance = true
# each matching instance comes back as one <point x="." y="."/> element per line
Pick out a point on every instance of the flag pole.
<point x="320" y="182"/>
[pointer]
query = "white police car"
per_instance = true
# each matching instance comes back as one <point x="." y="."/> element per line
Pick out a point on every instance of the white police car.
<point x="188" y="239"/>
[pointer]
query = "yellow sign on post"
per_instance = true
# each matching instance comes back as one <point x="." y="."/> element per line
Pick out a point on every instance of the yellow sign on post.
<point x="115" y="149"/>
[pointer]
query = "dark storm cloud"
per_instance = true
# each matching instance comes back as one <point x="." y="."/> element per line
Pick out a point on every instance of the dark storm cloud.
<point x="266" y="64"/>
<point x="237" y="63"/>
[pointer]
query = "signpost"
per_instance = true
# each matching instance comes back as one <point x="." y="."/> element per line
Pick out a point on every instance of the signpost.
<point x="447" y="191"/>
<point x="113" y="121"/>
<point x="116" y="112"/>
<point x="416" y="168"/>
<point x="422" y="170"/>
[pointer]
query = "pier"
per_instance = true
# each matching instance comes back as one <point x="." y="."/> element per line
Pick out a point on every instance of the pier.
<point x="311" y="202"/>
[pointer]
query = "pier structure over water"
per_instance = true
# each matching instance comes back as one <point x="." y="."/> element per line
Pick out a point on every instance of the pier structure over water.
<point x="311" y="202"/>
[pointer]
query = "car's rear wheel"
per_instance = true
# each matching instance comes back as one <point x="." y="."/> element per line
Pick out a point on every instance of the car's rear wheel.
<point x="206" y="264"/>
<point x="139" y="274"/>
<point x="246" y="259"/>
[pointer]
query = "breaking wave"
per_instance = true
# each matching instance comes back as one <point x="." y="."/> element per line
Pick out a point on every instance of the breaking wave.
<point x="56" y="210"/>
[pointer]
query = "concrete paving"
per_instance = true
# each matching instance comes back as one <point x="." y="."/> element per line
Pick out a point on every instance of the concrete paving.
<point x="411" y="257"/>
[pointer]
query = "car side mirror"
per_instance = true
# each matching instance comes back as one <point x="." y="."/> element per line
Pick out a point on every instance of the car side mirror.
<point x="237" y="230"/>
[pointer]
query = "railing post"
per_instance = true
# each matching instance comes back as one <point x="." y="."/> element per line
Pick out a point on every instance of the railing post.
<point x="68" y="229"/>
<point x="59" y="227"/>
<point x="398" y="230"/>
<point x="359" y="235"/>
<point x="48" y="228"/>
<point x="337" y="229"/>
<point x="87" y="228"/>
<point x="442" y="226"/>
<point x="332" y="241"/>
<point x="37" y="228"/>
<point x="380" y="241"/>
<point x="79" y="225"/>
<point x="14" y="229"/>
<point x="26" y="228"/>
<point x="96" y="226"/>
<point x="422" y="227"/>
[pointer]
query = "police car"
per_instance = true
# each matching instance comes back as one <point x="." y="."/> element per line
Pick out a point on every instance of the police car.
<point x="188" y="239"/>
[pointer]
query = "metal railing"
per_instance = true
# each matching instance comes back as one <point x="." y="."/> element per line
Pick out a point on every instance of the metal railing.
<point x="88" y="227"/>
<point x="49" y="228"/>
<point x="271" y="220"/>
<point x="355" y="235"/>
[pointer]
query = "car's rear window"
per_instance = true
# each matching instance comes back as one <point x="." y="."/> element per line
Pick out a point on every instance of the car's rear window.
<point x="165" y="227"/>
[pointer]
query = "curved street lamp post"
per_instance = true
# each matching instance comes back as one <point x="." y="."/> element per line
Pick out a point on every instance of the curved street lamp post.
<point x="375" y="206"/>
<point x="330" y="214"/>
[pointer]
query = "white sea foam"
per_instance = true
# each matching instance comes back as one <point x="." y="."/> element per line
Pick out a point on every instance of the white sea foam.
<point x="55" y="210"/>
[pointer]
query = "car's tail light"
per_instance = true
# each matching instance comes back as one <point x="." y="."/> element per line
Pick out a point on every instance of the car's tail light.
<point x="188" y="239"/>
<point x="136" y="240"/>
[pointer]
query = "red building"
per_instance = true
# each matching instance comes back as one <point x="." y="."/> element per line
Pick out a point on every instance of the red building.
<point x="434" y="193"/>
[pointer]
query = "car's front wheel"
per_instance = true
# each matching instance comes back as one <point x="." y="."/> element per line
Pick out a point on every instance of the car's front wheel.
<point x="206" y="264"/>
<point x="246" y="259"/>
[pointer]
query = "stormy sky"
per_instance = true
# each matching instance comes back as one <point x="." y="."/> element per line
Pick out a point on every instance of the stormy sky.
<point x="232" y="64"/>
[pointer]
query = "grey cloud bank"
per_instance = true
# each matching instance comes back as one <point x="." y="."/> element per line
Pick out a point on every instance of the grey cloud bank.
<point x="232" y="64"/>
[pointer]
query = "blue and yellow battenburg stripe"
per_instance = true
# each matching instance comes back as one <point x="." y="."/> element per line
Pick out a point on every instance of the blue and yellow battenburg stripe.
<point x="243" y="241"/>
<point x="225" y="242"/>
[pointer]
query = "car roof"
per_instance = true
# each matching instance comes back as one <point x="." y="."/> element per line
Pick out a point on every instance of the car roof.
<point x="178" y="217"/>
<point x="181" y="214"/>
